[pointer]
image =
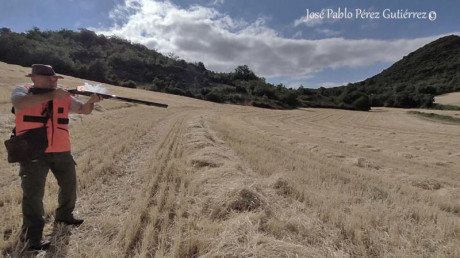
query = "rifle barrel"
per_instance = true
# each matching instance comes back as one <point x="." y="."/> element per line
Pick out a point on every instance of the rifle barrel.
<point x="107" y="96"/>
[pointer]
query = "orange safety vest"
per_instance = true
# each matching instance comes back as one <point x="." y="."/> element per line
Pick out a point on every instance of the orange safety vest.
<point x="57" y="124"/>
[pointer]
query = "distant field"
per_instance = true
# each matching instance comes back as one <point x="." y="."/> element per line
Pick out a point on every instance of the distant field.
<point x="449" y="99"/>
<point x="201" y="179"/>
<point x="437" y="117"/>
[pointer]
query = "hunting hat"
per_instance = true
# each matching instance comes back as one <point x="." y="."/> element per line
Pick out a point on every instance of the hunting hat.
<point x="45" y="70"/>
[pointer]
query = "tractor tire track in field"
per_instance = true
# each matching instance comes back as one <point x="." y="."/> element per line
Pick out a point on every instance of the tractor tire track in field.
<point x="147" y="230"/>
<point x="336" y="193"/>
<point x="108" y="204"/>
<point x="354" y="142"/>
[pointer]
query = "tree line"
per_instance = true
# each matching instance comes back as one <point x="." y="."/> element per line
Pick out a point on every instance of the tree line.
<point x="116" y="61"/>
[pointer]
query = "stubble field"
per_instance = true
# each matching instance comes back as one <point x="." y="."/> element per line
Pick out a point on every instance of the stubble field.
<point x="208" y="180"/>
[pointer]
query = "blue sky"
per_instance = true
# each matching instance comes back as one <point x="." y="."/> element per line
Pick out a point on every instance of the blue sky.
<point x="297" y="42"/>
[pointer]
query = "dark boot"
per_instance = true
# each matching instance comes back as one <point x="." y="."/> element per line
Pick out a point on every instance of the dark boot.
<point x="39" y="245"/>
<point x="72" y="221"/>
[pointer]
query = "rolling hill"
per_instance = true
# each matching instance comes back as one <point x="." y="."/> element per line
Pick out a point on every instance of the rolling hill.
<point x="433" y="69"/>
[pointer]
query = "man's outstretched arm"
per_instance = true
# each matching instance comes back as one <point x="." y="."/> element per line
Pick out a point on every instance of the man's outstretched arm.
<point x="88" y="107"/>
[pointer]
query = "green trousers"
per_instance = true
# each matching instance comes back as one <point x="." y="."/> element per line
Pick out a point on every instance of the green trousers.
<point x="33" y="178"/>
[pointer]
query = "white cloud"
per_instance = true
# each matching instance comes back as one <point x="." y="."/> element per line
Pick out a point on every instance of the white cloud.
<point x="332" y="84"/>
<point x="310" y="22"/>
<point x="328" y="32"/>
<point x="217" y="2"/>
<point x="222" y="42"/>
<point x="298" y="34"/>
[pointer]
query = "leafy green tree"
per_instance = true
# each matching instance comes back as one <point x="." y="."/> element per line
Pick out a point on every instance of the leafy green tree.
<point x="291" y="99"/>
<point x="86" y="37"/>
<point x="129" y="84"/>
<point x="362" y="103"/>
<point x="4" y="31"/>
<point x="98" y="70"/>
<point x="201" y="67"/>
<point x="243" y="72"/>
<point x="214" y="96"/>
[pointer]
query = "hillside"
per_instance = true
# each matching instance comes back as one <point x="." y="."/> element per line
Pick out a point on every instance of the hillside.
<point x="201" y="179"/>
<point x="117" y="61"/>
<point x="432" y="70"/>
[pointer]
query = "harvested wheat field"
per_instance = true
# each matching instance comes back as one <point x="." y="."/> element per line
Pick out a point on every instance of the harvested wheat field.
<point x="209" y="180"/>
<point x="449" y="99"/>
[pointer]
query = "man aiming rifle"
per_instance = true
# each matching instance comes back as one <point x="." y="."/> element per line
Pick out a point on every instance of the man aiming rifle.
<point x="43" y="105"/>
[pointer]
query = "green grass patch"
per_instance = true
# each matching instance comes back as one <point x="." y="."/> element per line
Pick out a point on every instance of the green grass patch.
<point x="436" y="116"/>
<point x="445" y="107"/>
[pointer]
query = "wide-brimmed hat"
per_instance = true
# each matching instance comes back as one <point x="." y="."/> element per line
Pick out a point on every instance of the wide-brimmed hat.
<point x="45" y="70"/>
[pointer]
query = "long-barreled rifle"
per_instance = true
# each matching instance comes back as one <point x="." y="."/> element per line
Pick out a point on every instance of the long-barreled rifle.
<point x="80" y="90"/>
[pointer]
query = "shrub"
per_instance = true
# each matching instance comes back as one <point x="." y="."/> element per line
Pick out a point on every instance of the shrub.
<point x="362" y="103"/>
<point x="262" y="104"/>
<point x="129" y="84"/>
<point x="214" y="97"/>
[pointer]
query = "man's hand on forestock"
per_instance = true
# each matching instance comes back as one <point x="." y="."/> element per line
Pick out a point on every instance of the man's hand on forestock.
<point x="95" y="98"/>
<point x="88" y="107"/>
